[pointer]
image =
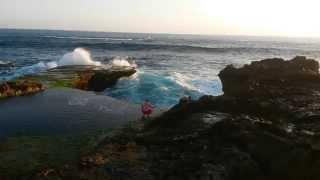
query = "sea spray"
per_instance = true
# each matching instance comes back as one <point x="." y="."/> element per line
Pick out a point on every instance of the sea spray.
<point x="33" y="69"/>
<point x="79" y="56"/>
<point x="122" y="62"/>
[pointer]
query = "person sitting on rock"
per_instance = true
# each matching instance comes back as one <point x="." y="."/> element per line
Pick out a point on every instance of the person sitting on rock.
<point x="146" y="109"/>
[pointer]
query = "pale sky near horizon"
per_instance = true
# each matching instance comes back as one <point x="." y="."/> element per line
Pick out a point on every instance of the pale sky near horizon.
<point x="221" y="17"/>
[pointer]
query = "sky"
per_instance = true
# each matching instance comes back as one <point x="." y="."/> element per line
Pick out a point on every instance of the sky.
<point x="297" y="18"/>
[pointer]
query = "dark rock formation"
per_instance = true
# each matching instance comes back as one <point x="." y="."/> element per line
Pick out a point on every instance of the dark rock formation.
<point x="265" y="126"/>
<point x="19" y="88"/>
<point x="271" y="77"/>
<point x="99" y="80"/>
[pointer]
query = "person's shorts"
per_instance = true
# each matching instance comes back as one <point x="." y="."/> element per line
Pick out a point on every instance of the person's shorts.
<point x="147" y="112"/>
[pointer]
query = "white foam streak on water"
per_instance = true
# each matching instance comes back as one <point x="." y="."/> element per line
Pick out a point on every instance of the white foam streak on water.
<point x="183" y="81"/>
<point x="34" y="69"/>
<point x="122" y="62"/>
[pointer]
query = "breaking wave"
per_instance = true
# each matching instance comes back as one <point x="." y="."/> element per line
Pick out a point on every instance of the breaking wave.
<point x="163" y="90"/>
<point x="79" y="56"/>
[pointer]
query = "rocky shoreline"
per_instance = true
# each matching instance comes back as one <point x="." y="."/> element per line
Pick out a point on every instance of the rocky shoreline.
<point x="265" y="126"/>
<point x="20" y="88"/>
<point x="88" y="78"/>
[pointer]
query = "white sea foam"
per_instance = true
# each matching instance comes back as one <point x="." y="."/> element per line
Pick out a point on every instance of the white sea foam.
<point x="122" y="62"/>
<point x="3" y="62"/>
<point x="79" y="56"/>
<point x="183" y="81"/>
<point x="36" y="68"/>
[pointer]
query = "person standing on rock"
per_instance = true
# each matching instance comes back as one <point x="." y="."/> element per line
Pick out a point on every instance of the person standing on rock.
<point x="146" y="109"/>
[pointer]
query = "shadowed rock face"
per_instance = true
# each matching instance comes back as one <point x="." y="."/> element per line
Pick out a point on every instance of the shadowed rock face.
<point x="269" y="127"/>
<point x="101" y="79"/>
<point x="19" y="88"/>
<point x="271" y="77"/>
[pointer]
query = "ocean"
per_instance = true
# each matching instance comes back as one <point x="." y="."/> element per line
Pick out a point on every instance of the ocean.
<point x="169" y="66"/>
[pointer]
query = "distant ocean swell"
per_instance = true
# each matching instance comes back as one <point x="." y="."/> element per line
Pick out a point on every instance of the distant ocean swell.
<point x="125" y="46"/>
<point x="90" y="38"/>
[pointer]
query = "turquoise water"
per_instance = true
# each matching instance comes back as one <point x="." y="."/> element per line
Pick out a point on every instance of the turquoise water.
<point x="162" y="89"/>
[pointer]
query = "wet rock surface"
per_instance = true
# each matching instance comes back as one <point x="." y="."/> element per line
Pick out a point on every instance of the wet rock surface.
<point x="19" y="88"/>
<point x="99" y="80"/>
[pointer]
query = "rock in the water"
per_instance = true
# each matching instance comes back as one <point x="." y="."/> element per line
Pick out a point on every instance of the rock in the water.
<point x="271" y="78"/>
<point x="99" y="80"/>
<point x="19" y="88"/>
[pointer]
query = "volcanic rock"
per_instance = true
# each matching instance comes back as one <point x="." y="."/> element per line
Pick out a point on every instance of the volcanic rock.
<point x="19" y="88"/>
<point x="271" y="78"/>
<point x="99" y="80"/>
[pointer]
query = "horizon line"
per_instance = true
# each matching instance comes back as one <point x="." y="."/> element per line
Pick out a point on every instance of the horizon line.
<point x="165" y="33"/>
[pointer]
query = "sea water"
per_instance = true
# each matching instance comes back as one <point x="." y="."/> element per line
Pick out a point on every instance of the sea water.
<point x="169" y="66"/>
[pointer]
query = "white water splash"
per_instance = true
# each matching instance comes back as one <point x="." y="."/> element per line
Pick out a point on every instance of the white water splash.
<point x="79" y="56"/>
<point x="122" y="62"/>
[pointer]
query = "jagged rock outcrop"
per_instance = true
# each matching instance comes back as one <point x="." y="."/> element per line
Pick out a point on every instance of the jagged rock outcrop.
<point x="271" y="77"/>
<point x="265" y="126"/>
<point x="19" y="88"/>
<point x="99" y="80"/>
